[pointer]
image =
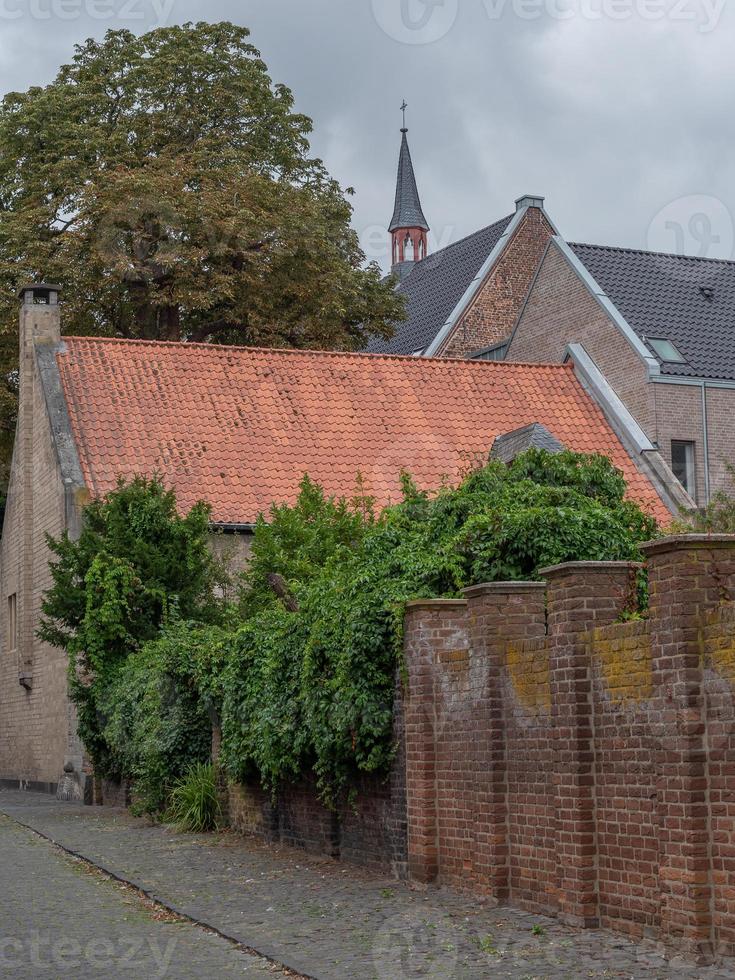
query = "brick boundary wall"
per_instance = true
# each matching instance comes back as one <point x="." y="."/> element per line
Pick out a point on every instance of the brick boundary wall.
<point x="554" y="756"/>
<point x="583" y="766"/>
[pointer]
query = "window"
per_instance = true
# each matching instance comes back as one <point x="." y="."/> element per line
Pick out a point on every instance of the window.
<point x="666" y="351"/>
<point x="12" y="622"/>
<point x="682" y="463"/>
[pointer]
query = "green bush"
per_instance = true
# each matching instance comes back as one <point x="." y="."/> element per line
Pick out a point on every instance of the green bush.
<point x="136" y="563"/>
<point x="194" y="802"/>
<point x="159" y="708"/>
<point x="302" y="673"/>
<point x="312" y="690"/>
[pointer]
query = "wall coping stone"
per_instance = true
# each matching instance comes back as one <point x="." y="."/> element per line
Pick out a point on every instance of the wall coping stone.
<point x="688" y="542"/>
<point x="502" y="588"/>
<point x="590" y="566"/>
<point x="436" y="604"/>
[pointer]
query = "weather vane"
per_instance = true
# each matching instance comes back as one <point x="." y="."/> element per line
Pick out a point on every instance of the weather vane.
<point x="403" y="110"/>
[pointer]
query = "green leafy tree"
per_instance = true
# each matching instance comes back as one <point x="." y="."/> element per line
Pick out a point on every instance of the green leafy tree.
<point x="136" y="563"/>
<point x="159" y="708"/>
<point x="166" y="182"/>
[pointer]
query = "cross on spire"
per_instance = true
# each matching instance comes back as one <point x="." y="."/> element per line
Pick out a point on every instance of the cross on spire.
<point x="403" y="110"/>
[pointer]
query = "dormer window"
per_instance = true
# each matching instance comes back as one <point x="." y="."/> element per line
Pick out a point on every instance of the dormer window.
<point x="666" y="351"/>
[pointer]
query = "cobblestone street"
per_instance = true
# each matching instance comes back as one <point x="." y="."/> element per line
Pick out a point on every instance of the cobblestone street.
<point x="320" y="919"/>
<point x="59" y="918"/>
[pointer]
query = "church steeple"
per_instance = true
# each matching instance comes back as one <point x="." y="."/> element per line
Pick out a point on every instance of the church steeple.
<point x="408" y="226"/>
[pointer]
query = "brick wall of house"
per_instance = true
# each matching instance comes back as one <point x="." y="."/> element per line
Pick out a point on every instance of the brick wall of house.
<point x="586" y="772"/>
<point x="560" y="311"/>
<point x="492" y="315"/>
<point x="38" y="726"/>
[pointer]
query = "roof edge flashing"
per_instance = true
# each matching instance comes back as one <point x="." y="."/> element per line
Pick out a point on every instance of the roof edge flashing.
<point x="598" y="293"/>
<point x="446" y="331"/>
<point x="644" y="453"/>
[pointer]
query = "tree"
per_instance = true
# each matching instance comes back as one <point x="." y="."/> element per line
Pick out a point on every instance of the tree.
<point x="166" y="183"/>
<point x="135" y="564"/>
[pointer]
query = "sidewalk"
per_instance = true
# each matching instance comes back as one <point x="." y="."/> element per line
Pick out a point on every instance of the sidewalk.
<point x="329" y="921"/>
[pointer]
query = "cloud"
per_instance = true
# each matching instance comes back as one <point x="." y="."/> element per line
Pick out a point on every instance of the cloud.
<point x="613" y="109"/>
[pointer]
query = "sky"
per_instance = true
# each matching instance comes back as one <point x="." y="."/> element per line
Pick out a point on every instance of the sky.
<point x="619" y="112"/>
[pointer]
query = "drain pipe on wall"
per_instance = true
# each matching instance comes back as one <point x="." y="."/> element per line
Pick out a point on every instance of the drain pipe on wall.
<point x="705" y="442"/>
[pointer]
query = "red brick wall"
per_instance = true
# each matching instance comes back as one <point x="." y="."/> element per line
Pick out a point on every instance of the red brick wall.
<point x="557" y="757"/>
<point x="625" y="747"/>
<point x="586" y="767"/>
<point x="492" y="315"/>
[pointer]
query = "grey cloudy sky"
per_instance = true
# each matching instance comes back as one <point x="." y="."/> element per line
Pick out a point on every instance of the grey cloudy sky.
<point x="618" y="111"/>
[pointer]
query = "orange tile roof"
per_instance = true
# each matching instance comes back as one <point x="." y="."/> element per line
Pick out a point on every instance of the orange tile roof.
<point x="238" y="427"/>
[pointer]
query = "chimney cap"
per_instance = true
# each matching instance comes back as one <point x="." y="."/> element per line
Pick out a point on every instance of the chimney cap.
<point x="530" y="201"/>
<point x="39" y="287"/>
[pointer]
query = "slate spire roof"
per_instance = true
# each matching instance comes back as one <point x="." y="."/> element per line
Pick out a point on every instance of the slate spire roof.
<point x="407" y="212"/>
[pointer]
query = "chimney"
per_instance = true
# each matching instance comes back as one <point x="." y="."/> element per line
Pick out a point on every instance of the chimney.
<point x="530" y="201"/>
<point x="40" y="322"/>
<point x="39" y="325"/>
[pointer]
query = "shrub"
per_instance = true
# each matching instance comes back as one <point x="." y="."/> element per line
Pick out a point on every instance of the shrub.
<point x="159" y="708"/>
<point x="136" y="562"/>
<point x="194" y="804"/>
<point x="312" y="690"/>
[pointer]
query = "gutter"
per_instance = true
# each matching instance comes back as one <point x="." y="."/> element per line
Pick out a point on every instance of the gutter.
<point x="705" y="443"/>
<point x="225" y="528"/>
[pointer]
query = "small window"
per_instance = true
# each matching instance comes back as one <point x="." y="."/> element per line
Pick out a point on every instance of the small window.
<point x="682" y="463"/>
<point x="13" y="622"/>
<point x="666" y="351"/>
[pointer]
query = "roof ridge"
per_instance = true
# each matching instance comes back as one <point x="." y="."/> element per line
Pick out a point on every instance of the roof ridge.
<point x="645" y="251"/>
<point x="291" y="351"/>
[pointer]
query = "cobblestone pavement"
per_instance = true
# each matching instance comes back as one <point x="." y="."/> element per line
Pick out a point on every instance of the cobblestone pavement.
<point x="319" y="918"/>
<point x="60" y="918"/>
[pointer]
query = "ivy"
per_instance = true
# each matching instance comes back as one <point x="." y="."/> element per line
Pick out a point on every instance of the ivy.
<point x="312" y="690"/>
<point x="300" y="672"/>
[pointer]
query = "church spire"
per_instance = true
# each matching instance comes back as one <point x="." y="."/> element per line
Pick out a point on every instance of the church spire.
<point x="408" y="226"/>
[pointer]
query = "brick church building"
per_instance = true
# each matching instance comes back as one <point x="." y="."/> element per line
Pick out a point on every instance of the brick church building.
<point x="655" y="329"/>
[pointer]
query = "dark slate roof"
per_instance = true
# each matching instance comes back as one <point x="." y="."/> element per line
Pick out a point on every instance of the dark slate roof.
<point x="407" y="212"/>
<point x="512" y="444"/>
<point x="661" y="296"/>
<point x="434" y="287"/>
